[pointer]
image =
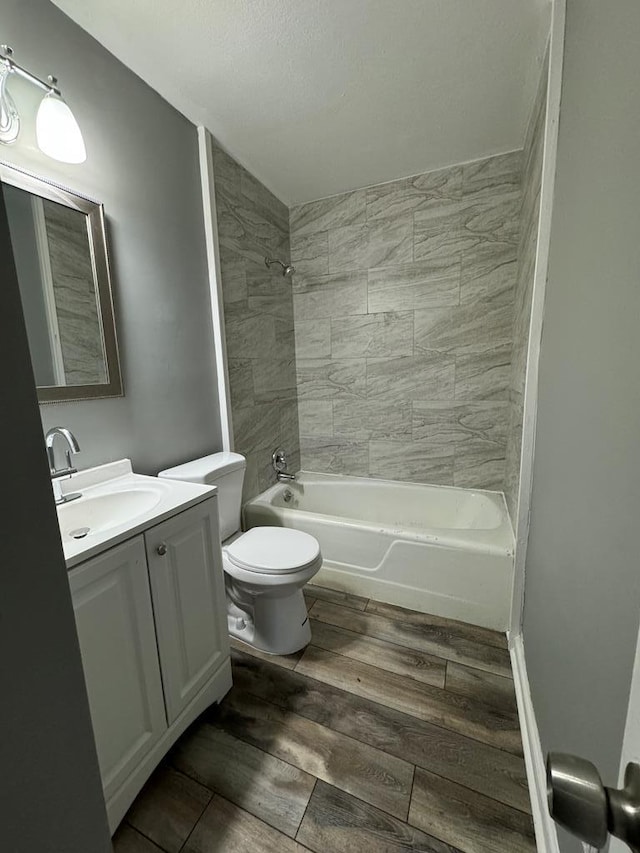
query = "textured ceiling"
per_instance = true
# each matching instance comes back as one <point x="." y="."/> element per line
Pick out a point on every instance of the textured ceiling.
<point x="316" y="97"/>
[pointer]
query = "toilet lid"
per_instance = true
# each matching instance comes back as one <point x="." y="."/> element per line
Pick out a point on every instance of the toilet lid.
<point x="273" y="550"/>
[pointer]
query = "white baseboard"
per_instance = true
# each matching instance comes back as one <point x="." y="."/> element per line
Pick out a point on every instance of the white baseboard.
<point x="545" y="828"/>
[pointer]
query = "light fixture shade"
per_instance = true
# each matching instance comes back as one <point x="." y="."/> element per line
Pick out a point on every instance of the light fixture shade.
<point x="57" y="131"/>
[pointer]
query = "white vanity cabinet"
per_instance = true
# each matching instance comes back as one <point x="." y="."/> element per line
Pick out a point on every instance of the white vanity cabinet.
<point x="114" y="618"/>
<point x="152" y="625"/>
<point x="187" y="585"/>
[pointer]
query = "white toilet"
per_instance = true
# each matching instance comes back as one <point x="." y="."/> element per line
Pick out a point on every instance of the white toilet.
<point x="265" y="568"/>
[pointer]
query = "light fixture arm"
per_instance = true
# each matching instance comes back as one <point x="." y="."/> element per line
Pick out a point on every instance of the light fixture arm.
<point x="9" y="62"/>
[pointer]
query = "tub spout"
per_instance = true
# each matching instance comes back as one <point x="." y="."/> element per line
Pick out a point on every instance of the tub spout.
<point x="283" y="477"/>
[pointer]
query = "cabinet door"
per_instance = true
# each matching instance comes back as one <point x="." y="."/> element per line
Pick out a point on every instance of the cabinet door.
<point x="187" y="585"/>
<point x="114" y="618"/>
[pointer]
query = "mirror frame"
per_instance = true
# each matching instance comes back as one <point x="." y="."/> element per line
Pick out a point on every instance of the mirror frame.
<point x="96" y="231"/>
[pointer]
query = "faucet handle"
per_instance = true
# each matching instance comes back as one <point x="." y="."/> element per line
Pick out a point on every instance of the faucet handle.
<point x="279" y="460"/>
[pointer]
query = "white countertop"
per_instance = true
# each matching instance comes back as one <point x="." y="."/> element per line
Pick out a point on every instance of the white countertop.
<point x="164" y="498"/>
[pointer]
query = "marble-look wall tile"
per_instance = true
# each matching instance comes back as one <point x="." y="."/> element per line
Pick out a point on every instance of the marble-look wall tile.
<point x="256" y="427"/>
<point x="527" y="250"/>
<point x="484" y="375"/>
<point x="427" y="376"/>
<point x="263" y="202"/>
<point x="259" y="474"/>
<point x="415" y="461"/>
<point x="250" y="336"/>
<point x="259" y="326"/>
<point x="311" y="253"/>
<point x="235" y="283"/>
<point x="372" y="418"/>
<point x="390" y="242"/>
<point x="513" y="452"/>
<point x="473" y="328"/>
<point x="412" y="286"/>
<point x="241" y="382"/>
<point x="226" y="171"/>
<point x="438" y="236"/>
<point x="327" y="379"/>
<point x="389" y="334"/>
<point x="269" y="293"/>
<point x="274" y="379"/>
<point x="460" y="423"/>
<point x="250" y="486"/>
<point x="348" y="248"/>
<point x="489" y="272"/>
<point x="316" y="417"/>
<point x="313" y="338"/>
<point x="494" y="220"/>
<point x="334" y="455"/>
<point x="289" y="426"/>
<point x="335" y="212"/>
<point x="479" y="465"/>
<point x="477" y="433"/>
<point x="404" y="305"/>
<point x="409" y="195"/>
<point x="501" y="174"/>
<point x="330" y="295"/>
<point x="247" y="234"/>
<point x="285" y="337"/>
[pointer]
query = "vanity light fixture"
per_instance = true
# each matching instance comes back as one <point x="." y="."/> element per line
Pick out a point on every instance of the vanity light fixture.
<point x="57" y="132"/>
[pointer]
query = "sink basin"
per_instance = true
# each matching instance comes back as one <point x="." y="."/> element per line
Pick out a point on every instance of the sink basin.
<point x="117" y="504"/>
<point x="100" y="512"/>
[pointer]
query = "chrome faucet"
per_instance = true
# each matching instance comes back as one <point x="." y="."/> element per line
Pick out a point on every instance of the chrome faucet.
<point x="58" y="473"/>
<point x="279" y="463"/>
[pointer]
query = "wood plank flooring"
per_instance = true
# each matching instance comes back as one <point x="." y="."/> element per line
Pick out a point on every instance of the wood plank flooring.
<point x="392" y="731"/>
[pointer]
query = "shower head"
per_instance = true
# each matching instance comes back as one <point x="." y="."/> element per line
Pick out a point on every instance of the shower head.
<point x="287" y="269"/>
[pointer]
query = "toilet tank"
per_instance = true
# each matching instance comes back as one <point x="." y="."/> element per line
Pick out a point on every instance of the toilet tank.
<point x="224" y="470"/>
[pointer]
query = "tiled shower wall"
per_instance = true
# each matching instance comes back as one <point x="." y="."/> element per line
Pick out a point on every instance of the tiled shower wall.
<point x="258" y="312"/>
<point x="530" y="215"/>
<point x="404" y="314"/>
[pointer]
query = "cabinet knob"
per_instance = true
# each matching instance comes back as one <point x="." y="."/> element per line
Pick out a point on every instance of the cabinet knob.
<point x="161" y="549"/>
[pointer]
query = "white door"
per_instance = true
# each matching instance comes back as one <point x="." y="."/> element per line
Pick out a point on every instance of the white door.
<point x="631" y="742"/>
<point x="114" y="619"/>
<point x="187" y="584"/>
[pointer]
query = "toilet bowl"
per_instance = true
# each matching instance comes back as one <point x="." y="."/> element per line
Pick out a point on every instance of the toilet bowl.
<point x="265" y="571"/>
<point x="265" y="567"/>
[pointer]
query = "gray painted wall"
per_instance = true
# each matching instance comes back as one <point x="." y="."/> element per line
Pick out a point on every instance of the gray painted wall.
<point x="582" y="581"/>
<point x="51" y="792"/>
<point x="258" y="315"/>
<point x="143" y="165"/>
<point x="403" y="303"/>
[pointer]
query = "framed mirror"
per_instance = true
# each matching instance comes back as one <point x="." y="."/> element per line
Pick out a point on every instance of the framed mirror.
<point x="60" y="251"/>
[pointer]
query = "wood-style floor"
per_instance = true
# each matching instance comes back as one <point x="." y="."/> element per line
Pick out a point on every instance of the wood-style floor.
<point x="393" y="731"/>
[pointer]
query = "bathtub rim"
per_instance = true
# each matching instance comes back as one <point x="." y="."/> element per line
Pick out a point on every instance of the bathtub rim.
<point x="437" y="536"/>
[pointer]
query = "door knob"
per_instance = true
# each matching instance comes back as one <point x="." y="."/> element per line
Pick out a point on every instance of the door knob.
<point x="161" y="549"/>
<point x="580" y="803"/>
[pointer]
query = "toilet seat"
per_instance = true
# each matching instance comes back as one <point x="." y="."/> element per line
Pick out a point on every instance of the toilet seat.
<point x="273" y="551"/>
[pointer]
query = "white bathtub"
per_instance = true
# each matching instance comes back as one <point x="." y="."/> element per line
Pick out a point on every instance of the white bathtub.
<point x="436" y="549"/>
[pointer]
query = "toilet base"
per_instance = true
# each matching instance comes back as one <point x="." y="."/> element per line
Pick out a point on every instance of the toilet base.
<point x="275" y="625"/>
